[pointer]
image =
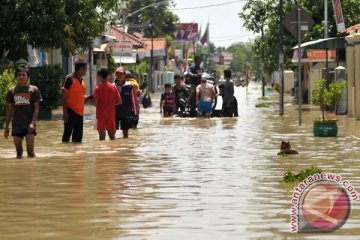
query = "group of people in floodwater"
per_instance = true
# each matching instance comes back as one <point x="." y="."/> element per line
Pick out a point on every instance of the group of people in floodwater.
<point x="116" y="102"/>
<point x="202" y="94"/>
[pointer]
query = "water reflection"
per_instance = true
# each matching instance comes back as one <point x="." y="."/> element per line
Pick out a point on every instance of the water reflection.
<point x="172" y="179"/>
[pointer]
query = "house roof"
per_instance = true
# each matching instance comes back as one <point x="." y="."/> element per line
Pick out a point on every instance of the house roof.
<point x="327" y="43"/>
<point x="122" y="36"/>
<point x="159" y="44"/>
<point x="353" y="29"/>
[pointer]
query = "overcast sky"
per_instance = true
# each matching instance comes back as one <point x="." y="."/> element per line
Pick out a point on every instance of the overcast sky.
<point x="225" y="25"/>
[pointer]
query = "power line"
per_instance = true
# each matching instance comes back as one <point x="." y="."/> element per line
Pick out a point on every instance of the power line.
<point x="220" y="37"/>
<point x="207" y="6"/>
<point x="233" y="38"/>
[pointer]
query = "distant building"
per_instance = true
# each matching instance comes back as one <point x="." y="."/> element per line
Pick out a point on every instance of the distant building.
<point x="222" y="58"/>
<point x="226" y="59"/>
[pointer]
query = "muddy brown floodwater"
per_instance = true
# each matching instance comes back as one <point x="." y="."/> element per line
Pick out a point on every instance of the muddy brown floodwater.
<point x="173" y="178"/>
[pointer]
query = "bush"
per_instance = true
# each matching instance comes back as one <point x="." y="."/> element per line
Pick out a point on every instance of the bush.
<point x="7" y="80"/>
<point x="327" y="97"/>
<point x="48" y="80"/>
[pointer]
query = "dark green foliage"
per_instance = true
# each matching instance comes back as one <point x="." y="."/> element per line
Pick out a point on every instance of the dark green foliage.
<point x="258" y="12"/>
<point x="164" y="19"/>
<point x="48" y="79"/>
<point x="244" y="59"/>
<point x="290" y="177"/>
<point x="324" y="96"/>
<point x="111" y="64"/>
<point x="65" y="24"/>
<point x="7" y="80"/>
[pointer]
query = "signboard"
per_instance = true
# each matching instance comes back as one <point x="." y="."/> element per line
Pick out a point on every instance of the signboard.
<point x="339" y="17"/>
<point x="314" y="55"/>
<point x="122" y="49"/>
<point x="186" y="33"/>
<point x="97" y="42"/>
<point x="320" y="55"/>
<point x="290" y="22"/>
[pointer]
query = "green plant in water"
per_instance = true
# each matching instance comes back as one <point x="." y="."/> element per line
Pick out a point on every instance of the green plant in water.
<point x="290" y="177"/>
<point x="327" y="97"/>
<point x="263" y="99"/>
<point x="262" y="105"/>
<point x="283" y="154"/>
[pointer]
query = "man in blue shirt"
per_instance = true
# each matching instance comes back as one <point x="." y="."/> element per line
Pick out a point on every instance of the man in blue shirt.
<point x="195" y="72"/>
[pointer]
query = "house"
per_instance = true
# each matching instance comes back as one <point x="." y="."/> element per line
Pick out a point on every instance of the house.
<point x="353" y="70"/>
<point x="223" y="58"/>
<point x="125" y="49"/>
<point x="319" y="59"/>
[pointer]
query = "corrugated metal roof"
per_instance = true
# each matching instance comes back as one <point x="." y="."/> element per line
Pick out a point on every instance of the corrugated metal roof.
<point x="328" y="43"/>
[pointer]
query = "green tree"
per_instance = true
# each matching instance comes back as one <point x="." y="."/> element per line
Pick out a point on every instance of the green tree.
<point x="256" y="11"/>
<point x="163" y="18"/>
<point x="327" y="97"/>
<point x="7" y="80"/>
<point x="69" y="25"/>
<point x="243" y="58"/>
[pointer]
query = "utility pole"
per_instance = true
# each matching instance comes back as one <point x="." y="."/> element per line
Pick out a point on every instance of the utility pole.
<point x="326" y="32"/>
<point x="263" y="60"/>
<point x="281" y="57"/>
<point x="326" y="20"/>
<point x="150" y="83"/>
<point x="90" y="60"/>
<point x="299" y="67"/>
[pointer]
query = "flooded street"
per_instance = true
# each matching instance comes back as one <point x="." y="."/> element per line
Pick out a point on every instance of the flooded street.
<point x="173" y="178"/>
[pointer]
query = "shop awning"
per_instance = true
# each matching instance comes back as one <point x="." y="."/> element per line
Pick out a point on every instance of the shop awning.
<point x="126" y="59"/>
<point x="315" y="51"/>
<point x="327" y="43"/>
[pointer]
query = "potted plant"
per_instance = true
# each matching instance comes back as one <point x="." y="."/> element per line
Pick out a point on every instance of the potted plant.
<point x="7" y="80"/>
<point x="48" y="80"/>
<point x="327" y="97"/>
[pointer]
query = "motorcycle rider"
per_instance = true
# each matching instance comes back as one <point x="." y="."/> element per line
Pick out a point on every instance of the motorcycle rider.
<point x="195" y="72"/>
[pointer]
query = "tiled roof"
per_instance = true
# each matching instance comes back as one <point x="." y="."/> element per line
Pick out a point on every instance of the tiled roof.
<point x="159" y="44"/>
<point x="352" y="29"/>
<point x="122" y="36"/>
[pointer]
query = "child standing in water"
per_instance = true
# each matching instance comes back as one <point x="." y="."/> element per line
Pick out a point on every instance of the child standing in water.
<point x="106" y="97"/>
<point x="167" y="103"/>
<point x="23" y="107"/>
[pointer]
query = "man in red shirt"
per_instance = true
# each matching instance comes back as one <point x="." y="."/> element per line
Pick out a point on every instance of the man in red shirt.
<point x="106" y="96"/>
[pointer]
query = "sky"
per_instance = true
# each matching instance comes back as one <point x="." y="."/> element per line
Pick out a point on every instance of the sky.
<point x="225" y="25"/>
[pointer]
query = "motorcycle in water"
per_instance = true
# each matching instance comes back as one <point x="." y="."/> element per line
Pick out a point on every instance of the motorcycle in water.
<point x="188" y="100"/>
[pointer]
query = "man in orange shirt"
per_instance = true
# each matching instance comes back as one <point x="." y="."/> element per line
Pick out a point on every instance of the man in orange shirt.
<point x="73" y="102"/>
